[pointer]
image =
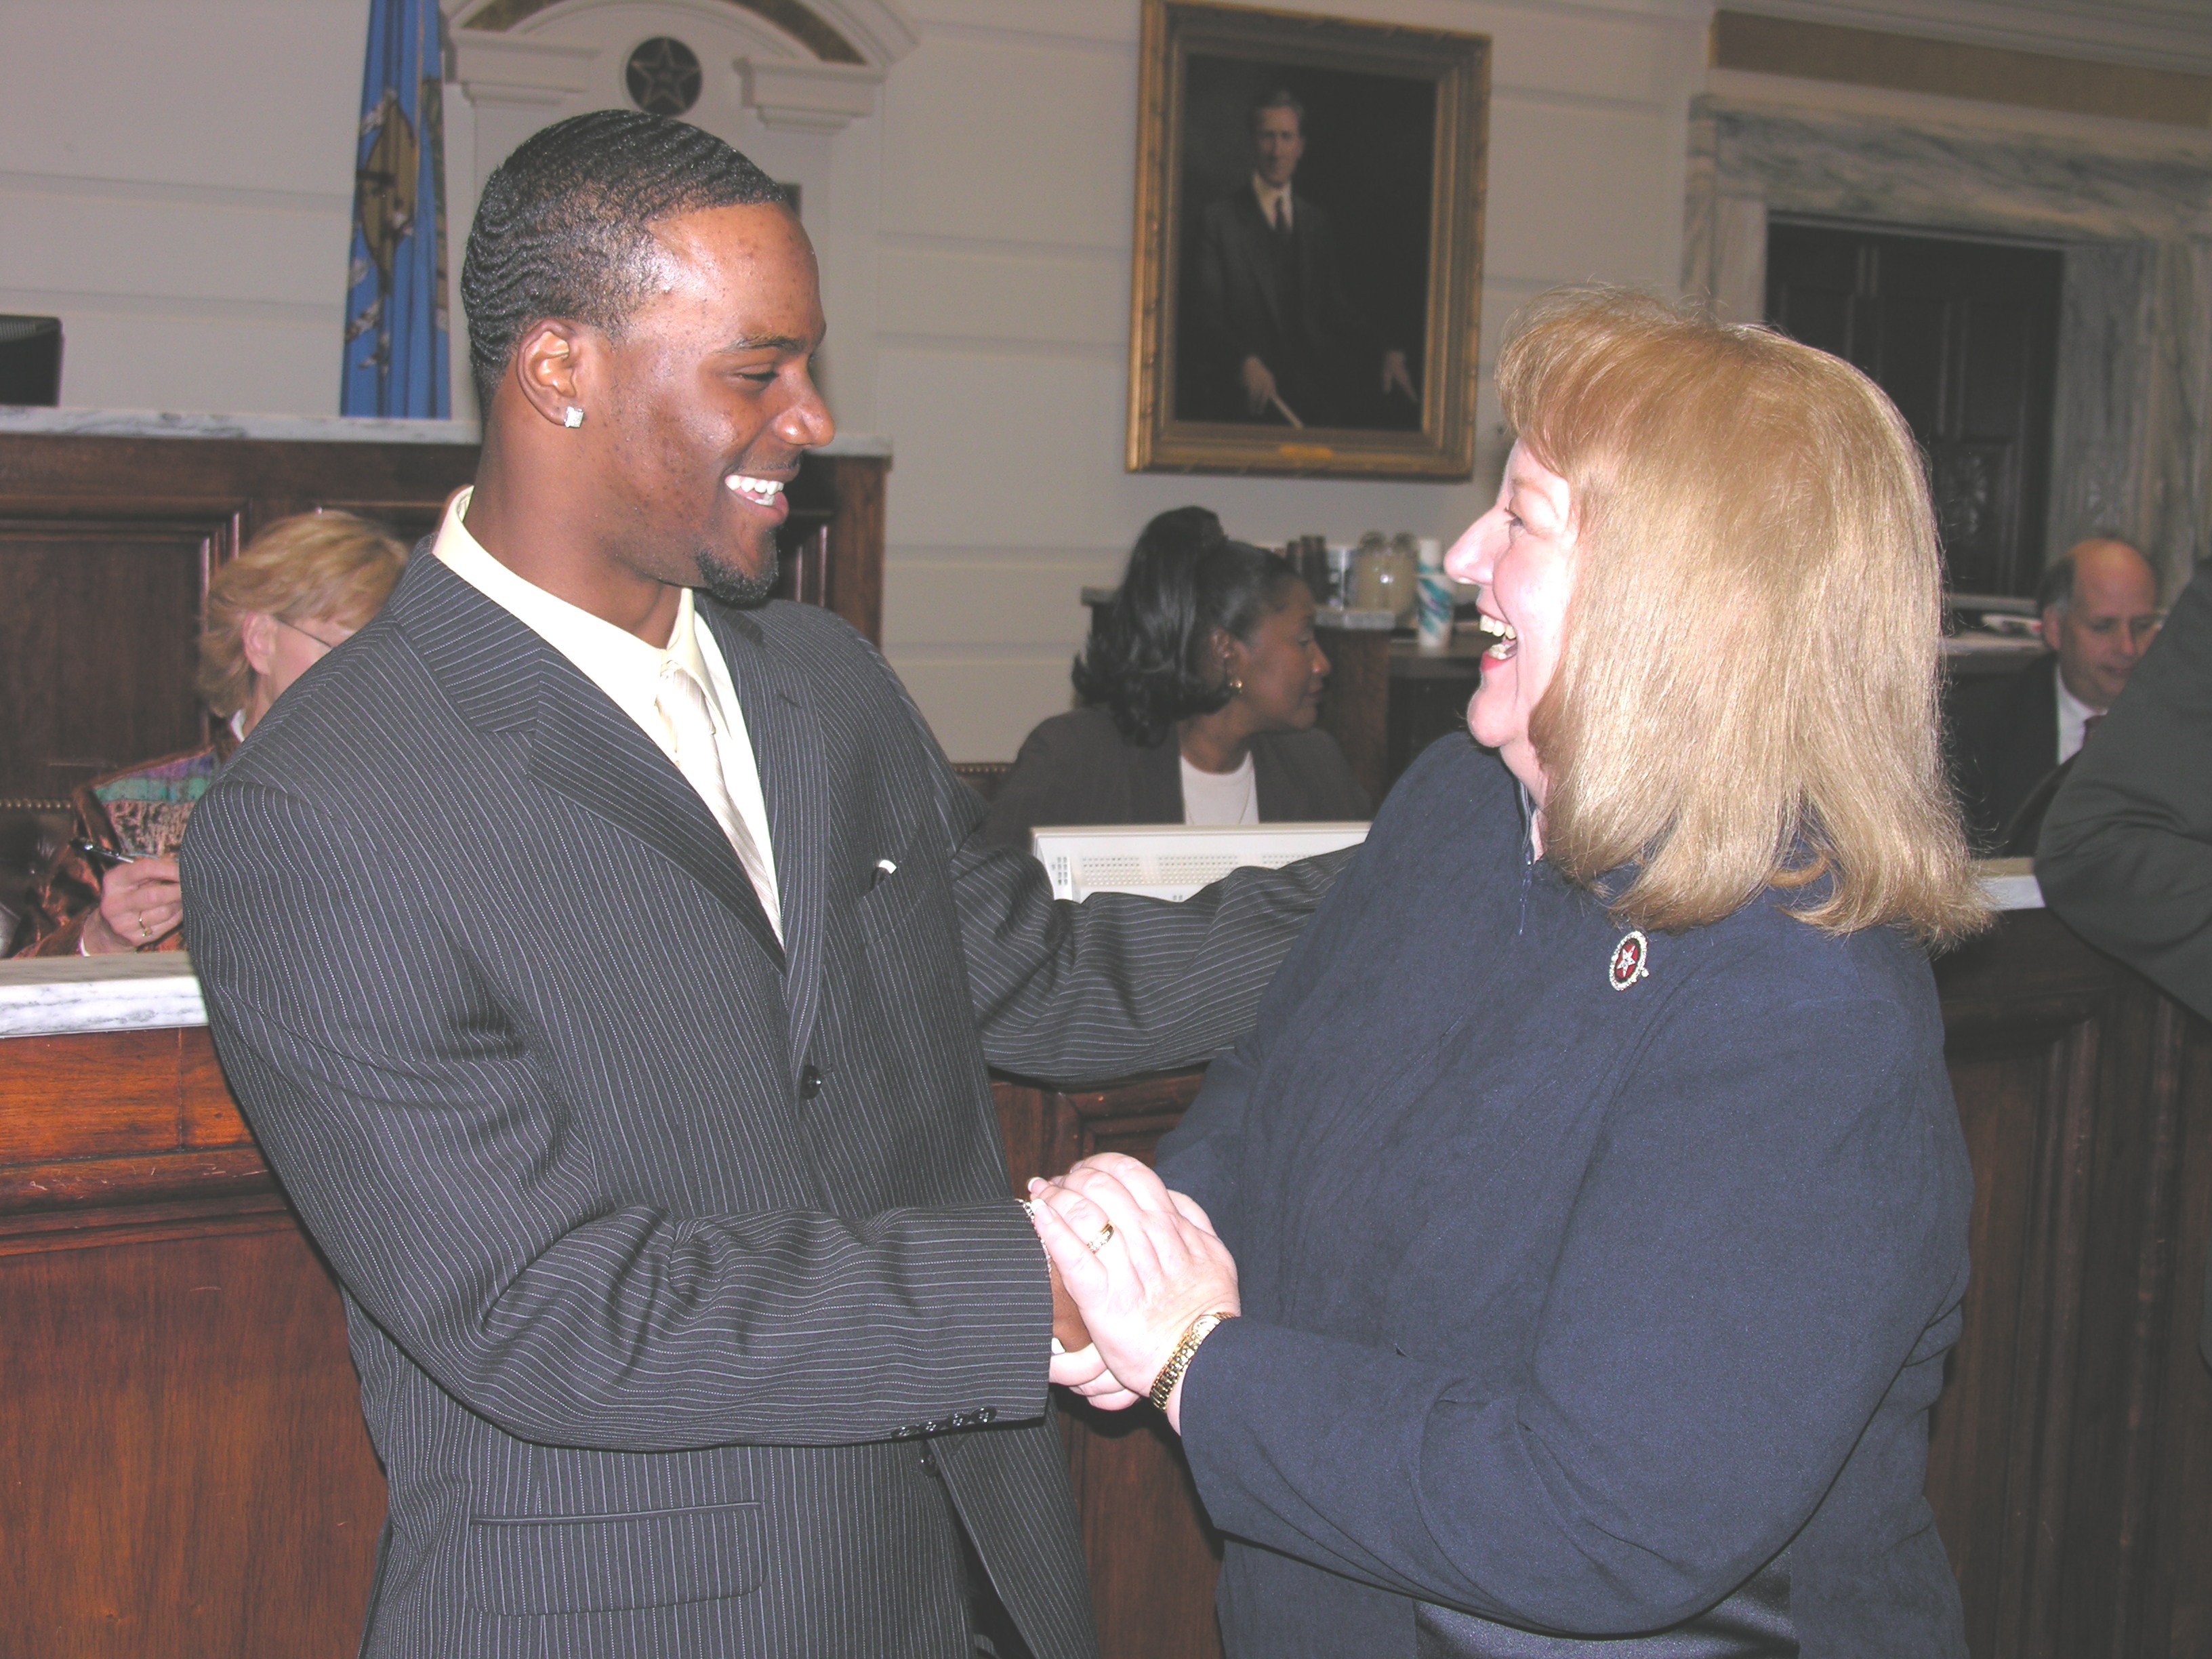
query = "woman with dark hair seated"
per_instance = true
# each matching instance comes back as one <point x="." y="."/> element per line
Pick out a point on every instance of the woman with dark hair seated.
<point x="299" y="588"/>
<point x="1200" y="684"/>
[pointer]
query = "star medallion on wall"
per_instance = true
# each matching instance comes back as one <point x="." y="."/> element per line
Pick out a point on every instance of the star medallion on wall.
<point x="663" y="77"/>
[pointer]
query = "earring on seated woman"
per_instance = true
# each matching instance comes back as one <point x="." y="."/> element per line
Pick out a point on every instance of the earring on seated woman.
<point x="573" y="418"/>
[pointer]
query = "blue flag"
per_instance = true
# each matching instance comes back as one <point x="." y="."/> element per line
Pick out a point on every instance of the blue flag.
<point x="395" y="331"/>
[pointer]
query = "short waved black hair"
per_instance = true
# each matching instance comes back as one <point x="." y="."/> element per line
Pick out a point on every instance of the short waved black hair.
<point x="563" y="228"/>
<point x="1149" y="660"/>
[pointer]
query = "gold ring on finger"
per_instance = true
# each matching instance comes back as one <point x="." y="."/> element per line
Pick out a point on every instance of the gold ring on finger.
<point x="1099" y="1240"/>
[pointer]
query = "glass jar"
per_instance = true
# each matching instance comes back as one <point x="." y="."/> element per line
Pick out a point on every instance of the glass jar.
<point x="1387" y="576"/>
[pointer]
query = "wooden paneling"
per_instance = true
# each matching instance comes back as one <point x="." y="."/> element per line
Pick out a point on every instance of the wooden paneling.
<point x="1355" y="709"/>
<point x="1152" y="1555"/>
<point x="181" y="1413"/>
<point x="184" y="1453"/>
<point x="106" y="544"/>
<point x="95" y="670"/>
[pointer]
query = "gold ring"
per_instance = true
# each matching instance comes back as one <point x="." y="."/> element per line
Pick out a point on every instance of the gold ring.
<point x="1099" y="1240"/>
<point x="144" y="932"/>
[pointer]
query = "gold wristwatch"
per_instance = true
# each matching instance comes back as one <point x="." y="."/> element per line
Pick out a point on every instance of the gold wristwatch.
<point x="1179" y="1361"/>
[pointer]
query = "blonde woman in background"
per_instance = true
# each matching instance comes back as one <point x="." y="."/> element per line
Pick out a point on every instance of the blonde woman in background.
<point x="1590" y="1204"/>
<point x="299" y="588"/>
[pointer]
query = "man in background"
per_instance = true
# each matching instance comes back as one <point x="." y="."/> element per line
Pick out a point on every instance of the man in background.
<point x="2099" y="607"/>
<point x="1282" y="340"/>
<point x="2126" y="854"/>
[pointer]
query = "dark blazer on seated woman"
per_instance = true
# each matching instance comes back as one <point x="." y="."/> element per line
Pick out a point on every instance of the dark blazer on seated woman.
<point x="1600" y="1304"/>
<point x="1076" y="767"/>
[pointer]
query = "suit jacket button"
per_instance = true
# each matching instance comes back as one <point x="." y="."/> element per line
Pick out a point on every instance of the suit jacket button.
<point x="987" y="1414"/>
<point x="810" y="1081"/>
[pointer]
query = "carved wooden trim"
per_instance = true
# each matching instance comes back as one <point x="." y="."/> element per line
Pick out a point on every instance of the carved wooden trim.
<point x="803" y="24"/>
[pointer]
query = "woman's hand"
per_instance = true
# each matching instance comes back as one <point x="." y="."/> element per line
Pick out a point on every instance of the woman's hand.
<point x="139" y="902"/>
<point x="1155" y="1272"/>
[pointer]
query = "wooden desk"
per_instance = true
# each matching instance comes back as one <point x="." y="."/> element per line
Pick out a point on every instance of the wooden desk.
<point x="107" y="540"/>
<point x="183" y="1436"/>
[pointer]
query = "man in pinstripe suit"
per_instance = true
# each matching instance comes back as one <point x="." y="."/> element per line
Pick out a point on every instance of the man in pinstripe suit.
<point x="610" y="970"/>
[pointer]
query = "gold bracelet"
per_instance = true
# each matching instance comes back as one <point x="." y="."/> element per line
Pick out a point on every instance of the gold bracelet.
<point x="1179" y="1361"/>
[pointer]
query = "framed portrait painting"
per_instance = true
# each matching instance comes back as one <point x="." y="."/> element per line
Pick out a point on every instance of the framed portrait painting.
<point x="1308" y="245"/>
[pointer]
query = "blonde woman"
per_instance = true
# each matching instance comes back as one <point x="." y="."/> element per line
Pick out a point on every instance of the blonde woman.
<point x="1590" y="1202"/>
<point x="301" y="588"/>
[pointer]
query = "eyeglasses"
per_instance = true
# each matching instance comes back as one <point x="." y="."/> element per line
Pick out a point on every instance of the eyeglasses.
<point x="327" y="645"/>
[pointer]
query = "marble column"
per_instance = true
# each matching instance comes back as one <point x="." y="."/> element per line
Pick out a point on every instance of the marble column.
<point x="2132" y="434"/>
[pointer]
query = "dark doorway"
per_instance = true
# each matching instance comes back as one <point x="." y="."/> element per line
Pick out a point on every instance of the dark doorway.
<point x="1964" y="336"/>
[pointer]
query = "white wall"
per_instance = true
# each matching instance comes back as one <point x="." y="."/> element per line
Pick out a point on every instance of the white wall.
<point x="176" y="185"/>
<point x="1002" y="253"/>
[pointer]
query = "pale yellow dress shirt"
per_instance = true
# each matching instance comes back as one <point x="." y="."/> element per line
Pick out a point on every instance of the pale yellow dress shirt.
<point x="627" y="669"/>
<point x="1268" y="195"/>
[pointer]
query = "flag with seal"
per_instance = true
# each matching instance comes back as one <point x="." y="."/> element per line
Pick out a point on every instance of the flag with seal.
<point x="396" y="360"/>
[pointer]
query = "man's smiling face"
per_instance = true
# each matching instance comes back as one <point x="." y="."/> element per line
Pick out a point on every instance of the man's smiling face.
<point x="710" y="389"/>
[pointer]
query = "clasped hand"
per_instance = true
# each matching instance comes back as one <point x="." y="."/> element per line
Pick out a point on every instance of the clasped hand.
<point x="1159" y="1270"/>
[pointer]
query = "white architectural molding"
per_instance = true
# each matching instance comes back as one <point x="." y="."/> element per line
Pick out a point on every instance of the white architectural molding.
<point x="2133" y="439"/>
<point x="793" y="96"/>
<point x="511" y="68"/>
<point x="878" y="29"/>
<point x="2160" y="34"/>
<point x="2109" y="134"/>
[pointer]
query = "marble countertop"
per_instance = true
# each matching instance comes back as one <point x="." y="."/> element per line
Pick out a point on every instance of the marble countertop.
<point x="292" y="429"/>
<point x="61" y="996"/>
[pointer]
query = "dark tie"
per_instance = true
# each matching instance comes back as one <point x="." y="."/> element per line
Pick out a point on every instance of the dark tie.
<point x="2089" y="728"/>
<point x="1282" y="216"/>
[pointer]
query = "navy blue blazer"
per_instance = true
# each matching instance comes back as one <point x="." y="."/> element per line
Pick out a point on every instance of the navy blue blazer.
<point x="1573" y="1308"/>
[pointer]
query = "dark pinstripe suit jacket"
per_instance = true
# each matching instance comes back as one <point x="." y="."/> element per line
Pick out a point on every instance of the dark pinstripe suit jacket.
<point x="686" y="1295"/>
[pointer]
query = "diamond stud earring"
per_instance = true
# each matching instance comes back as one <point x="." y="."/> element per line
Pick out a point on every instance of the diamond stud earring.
<point x="573" y="418"/>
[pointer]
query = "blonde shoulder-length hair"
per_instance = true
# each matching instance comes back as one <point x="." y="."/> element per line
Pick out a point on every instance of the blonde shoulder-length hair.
<point x="316" y="567"/>
<point x="1746" y="694"/>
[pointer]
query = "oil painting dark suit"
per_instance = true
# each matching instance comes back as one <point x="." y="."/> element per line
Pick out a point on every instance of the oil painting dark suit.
<point x="1280" y="297"/>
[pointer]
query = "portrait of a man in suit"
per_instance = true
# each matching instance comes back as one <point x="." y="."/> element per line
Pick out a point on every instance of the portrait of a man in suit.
<point x="606" y="960"/>
<point x="1307" y="272"/>
<point x="1304" y="247"/>
<point x="1280" y="336"/>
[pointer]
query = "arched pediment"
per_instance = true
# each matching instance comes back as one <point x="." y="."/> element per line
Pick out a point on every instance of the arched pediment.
<point x="805" y="65"/>
<point x="814" y="28"/>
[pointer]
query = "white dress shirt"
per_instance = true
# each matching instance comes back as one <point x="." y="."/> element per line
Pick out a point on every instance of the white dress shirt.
<point x="1221" y="797"/>
<point x="627" y="669"/>
<point x="1268" y="195"/>
<point x="2073" y="717"/>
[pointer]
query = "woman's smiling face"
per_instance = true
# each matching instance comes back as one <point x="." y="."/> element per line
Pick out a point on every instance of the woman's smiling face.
<point x="1521" y="555"/>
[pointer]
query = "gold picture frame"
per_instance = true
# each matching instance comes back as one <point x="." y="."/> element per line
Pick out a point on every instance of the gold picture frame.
<point x="1210" y="289"/>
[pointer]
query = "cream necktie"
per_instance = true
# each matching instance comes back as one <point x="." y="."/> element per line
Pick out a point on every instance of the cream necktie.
<point x="682" y="704"/>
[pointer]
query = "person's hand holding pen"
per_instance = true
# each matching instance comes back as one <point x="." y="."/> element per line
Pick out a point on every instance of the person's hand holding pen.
<point x="140" y="900"/>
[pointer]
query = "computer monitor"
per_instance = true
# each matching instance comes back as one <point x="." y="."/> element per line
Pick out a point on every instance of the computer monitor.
<point x="31" y="361"/>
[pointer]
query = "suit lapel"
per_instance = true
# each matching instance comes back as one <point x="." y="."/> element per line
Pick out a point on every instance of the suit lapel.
<point x="785" y="729"/>
<point x="502" y="677"/>
<point x="1259" y="253"/>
